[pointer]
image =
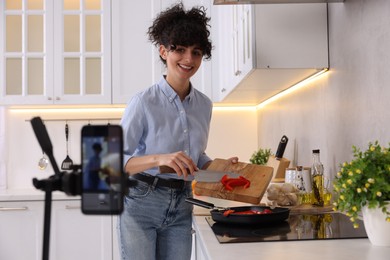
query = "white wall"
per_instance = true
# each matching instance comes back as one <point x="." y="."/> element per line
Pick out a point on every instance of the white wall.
<point x="349" y="105"/>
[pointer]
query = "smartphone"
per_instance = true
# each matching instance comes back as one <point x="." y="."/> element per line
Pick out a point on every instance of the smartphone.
<point x="102" y="178"/>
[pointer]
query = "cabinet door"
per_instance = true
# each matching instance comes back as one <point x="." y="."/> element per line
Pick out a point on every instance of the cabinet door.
<point x="78" y="236"/>
<point x="225" y="57"/>
<point x="55" y="52"/>
<point x="135" y="61"/>
<point x="82" y="52"/>
<point x="202" y="80"/>
<point x="245" y="44"/>
<point x="21" y="230"/>
<point x="26" y="53"/>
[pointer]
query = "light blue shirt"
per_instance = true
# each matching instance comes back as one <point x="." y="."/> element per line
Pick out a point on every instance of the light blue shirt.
<point x="156" y="121"/>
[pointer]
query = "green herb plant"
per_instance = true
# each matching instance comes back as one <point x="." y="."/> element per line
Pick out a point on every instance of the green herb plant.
<point x="260" y="156"/>
<point x="364" y="181"/>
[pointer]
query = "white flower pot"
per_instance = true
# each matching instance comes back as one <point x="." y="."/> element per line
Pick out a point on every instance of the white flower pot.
<point x="377" y="228"/>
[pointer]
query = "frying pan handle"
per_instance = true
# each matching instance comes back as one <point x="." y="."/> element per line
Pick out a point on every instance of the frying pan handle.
<point x="200" y="203"/>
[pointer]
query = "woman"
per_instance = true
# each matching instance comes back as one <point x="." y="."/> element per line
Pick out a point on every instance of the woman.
<point x="166" y="126"/>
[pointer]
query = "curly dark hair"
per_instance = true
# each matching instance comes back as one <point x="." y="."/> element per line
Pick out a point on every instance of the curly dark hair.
<point x="175" y="26"/>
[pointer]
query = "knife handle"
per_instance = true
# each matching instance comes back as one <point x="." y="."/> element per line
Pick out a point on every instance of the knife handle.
<point x="281" y="147"/>
<point x="200" y="203"/>
<point x="167" y="169"/>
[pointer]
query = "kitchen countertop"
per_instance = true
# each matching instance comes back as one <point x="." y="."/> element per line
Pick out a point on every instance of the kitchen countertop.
<point x="355" y="249"/>
<point x="32" y="195"/>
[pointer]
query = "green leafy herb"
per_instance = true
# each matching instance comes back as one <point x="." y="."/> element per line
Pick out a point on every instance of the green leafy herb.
<point x="364" y="181"/>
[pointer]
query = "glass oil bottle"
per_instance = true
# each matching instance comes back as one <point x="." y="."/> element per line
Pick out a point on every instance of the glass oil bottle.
<point x="317" y="171"/>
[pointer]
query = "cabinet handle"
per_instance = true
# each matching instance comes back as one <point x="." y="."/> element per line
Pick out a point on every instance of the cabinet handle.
<point x="72" y="207"/>
<point x="58" y="98"/>
<point x="49" y="98"/>
<point x="223" y="90"/>
<point x="13" y="209"/>
<point x="237" y="73"/>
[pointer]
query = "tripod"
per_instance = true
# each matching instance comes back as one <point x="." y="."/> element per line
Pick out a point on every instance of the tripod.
<point x="68" y="182"/>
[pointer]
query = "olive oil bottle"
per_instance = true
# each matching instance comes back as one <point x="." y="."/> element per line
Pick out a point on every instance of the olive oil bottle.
<point x="317" y="171"/>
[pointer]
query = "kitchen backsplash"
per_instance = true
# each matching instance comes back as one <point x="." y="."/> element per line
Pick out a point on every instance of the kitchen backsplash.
<point x="20" y="151"/>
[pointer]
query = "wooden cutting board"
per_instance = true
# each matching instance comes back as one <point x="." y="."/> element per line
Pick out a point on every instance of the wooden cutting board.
<point x="259" y="175"/>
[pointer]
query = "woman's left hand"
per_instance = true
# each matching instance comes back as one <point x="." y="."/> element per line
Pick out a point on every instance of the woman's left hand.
<point x="233" y="159"/>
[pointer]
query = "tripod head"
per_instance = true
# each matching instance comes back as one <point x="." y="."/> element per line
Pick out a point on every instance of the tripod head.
<point x="68" y="182"/>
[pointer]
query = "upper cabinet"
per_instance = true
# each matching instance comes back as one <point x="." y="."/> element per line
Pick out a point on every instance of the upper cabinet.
<point x="265" y="49"/>
<point x="98" y="51"/>
<point x="55" y="52"/>
<point x="136" y="63"/>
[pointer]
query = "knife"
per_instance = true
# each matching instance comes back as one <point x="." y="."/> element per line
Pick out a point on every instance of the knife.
<point x="281" y="147"/>
<point x="204" y="175"/>
<point x="213" y="176"/>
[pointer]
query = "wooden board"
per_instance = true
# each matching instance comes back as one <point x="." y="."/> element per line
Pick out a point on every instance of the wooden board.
<point x="259" y="175"/>
<point x="279" y="165"/>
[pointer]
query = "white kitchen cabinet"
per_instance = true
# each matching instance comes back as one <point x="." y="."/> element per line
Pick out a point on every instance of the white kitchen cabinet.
<point x="265" y="49"/>
<point x="21" y="230"/>
<point x="73" y="235"/>
<point x="135" y="61"/>
<point x="55" y="52"/>
<point x="115" y="243"/>
<point x="78" y="236"/>
<point x="234" y="47"/>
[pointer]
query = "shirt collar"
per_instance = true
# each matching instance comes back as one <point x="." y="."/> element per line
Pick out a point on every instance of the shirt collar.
<point x="170" y="93"/>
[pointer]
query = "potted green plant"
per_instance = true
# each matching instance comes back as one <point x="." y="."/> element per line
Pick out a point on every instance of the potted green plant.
<point x="260" y="156"/>
<point x="364" y="184"/>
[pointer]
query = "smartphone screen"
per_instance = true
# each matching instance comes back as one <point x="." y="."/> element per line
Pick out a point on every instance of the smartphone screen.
<point x="103" y="177"/>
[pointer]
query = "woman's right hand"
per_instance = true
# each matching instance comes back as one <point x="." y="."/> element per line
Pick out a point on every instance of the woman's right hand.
<point x="179" y="162"/>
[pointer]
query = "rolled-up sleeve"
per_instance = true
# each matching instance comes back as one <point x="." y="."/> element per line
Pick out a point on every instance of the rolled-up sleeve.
<point x="132" y="124"/>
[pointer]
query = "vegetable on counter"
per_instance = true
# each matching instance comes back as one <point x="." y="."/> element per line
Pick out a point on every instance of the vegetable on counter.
<point x="231" y="183"/>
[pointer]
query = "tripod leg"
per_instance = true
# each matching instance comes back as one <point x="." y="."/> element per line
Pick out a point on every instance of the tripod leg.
<point x="46" y="223"/>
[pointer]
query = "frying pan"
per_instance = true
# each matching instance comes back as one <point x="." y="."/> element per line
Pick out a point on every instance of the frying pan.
<point x="277" y="215"/>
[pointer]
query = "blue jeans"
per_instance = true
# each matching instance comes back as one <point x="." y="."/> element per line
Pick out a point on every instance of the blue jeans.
<point x="156" y="223"/>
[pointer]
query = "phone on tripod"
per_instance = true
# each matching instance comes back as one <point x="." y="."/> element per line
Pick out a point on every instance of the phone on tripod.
<point x="103" y="179"/>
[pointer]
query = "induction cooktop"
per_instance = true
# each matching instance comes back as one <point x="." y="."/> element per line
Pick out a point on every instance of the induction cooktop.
<point x="297" y="227"/>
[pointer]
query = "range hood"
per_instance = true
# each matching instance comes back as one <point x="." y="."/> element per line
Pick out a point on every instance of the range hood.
<point x="232" y="2"/>
<point x="284" y="45"/>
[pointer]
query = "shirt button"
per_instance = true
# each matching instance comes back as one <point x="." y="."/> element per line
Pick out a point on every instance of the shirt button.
<point x="185" y="131"/>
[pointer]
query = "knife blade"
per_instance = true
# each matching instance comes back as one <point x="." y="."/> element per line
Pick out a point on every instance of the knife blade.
<point x="204" y="175"/>
<point x="213" y="176"/>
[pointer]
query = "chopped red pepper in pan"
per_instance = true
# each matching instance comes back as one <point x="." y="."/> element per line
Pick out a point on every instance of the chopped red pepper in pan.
<point x="247" y="212"/>
<point x="231" y="183"/>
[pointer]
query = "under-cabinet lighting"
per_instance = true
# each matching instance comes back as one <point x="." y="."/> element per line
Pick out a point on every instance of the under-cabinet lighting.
<point x="291" y="89"/>
<point x="120" y="108"/>
<point x="76" y="110"/>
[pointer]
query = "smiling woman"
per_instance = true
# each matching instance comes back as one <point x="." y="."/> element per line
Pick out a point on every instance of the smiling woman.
<point x="166" y="125"/>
